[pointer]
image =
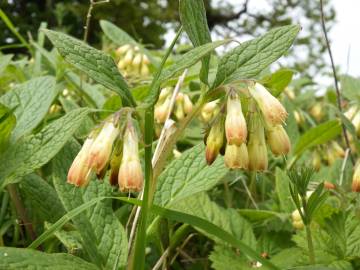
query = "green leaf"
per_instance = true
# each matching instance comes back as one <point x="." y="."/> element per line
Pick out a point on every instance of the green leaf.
<point x="251" y="57"/>
<point x="5" y="61"/>
<point x="120" y="37"/>
<point x="350" y="87"/>
<point x="33" y="151"/>
<point x="102" y="234"/>
<point x="42" y="197"/>
<point x="30" y="101"/>
<point x="278" y="81"/>
<point x="187" y="176"/>
<point x="193" y="19"/>
<point x="317" y="135"/>
<point x="257" y="215"/>
<point x="7" y="124"/>
<point x="224" y="258"/>
<point x="186" y="60"/>
<point x="96" y="64"/>
<point x="20" y="258"/>
<point x="229" y="220"/>
<point x="282" y="182"/>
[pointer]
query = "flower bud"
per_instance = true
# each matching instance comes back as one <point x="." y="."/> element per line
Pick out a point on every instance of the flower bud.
<point x="258" y="159"/>
<point x="121" y="65"/>
<point x="235" y="124"/>
<point x="299" y="118"/>
<point x="296" y="220"/>
<point x="273" y="111"/>
<point x="236" y="157"/>
<point x="337" y="150"/>
<point x="79" y="172"/>
<point x="278" y="140"/>
<point x="188" y="106"/>
<point x="316" y="111"/>
<point x="145" y="60"/>
<point x="128" y="57"/>
<point x="122" y="50"/>
<point x="161" y="111"/>
<point x="130" y="173"/>
<point x="316" y="161"/>
<point x="209" y="110"/>
<point x="356" y="178"/>
<point x="137" y="61"/>
<point x="144" y="70"/>
<point x="215" y="139"/>
<point x="101" y="149"/>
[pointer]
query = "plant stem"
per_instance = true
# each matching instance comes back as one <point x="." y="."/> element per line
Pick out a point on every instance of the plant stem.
<point x="336" y="83"/>
<point x="310" y="244"/>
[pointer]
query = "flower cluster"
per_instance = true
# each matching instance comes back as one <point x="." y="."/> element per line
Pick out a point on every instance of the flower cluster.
<point x="245" y="145"/>
<point x="183" y="105"/>
<point x="132" y="61"/>
<point x="109" y="146"/>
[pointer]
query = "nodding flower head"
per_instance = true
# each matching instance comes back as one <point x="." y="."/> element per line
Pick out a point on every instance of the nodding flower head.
<point x="258" y="159"/>
<point x="273" y="111"/>
<point x="235" y="124"/>
<point x="80" y="171"/>
<point x="130" y="173"/>
<point x="278" y="140"/>
<point x="236" y="157"/>
<point x="215" y="139"/>
<point x="101" y="148"/>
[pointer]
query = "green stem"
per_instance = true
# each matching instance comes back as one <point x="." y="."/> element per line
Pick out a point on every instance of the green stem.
<point x="309" y="239"/>
<point x="4" y="205"/>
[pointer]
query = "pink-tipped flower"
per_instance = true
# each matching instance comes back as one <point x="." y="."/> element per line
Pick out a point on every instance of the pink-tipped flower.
<point x="273" y="111"/>
<point x="215" y="139"/>
<point x="258" y="159"/>
<point x="79" y="172"/>
<point x="278" y="140"/>
<point x="356" y="178"/>
<point x="235" y="124"/>
<point x="236" y="157"/>
<point x="130" y="173"/>
<point x="101" y="149"/>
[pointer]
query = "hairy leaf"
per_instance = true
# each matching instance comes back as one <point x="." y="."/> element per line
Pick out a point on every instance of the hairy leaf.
<point x="33" y="151"/>
<point x="278" y="81"/>
<point x="7" y="124"/>
<point x="193" y="19"/>
<point x="96" y="64"/>
<point x="251" y="57"/>
<point x="30" y="101"/>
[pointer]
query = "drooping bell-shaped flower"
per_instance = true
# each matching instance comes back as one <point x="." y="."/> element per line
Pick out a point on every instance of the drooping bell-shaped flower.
<point x="258" y="159"/>
<point x="355" y="187"/>
<point x="209" y="110"/>
<point x="278" y="140"/>
<point x="137" y="61"/>
<point x="236" y="157"/>
<point x="161" y="111"/>
<point x="130" y="172"/>
<point x="235" y="124"/>
<point x="102" y="147"/>
<point x="80" y="172"/>
<point x="215" y="139"/>
<point x="273" y="111"/>
<point x="122" y="50"/>
<point x="188" y="105"/>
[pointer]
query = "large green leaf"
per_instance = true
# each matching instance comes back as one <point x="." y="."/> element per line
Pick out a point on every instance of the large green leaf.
<point x="317" y="135"/>
<point x="282" y="182"/>
<point x="96" y="64"/>
<point x="42" y="197"/>
<point x="193" y="19"/>
<point x="186" y="60"/>
<point x="102" y="234"/>
<point x="7" y="124"/>
<point x="229" y="220"/>
<point x="26" y="259"/>
<point x="251" y="57"/>
<point x="187" y="176"/>
<point x="30" y="102"/>
<point x="33" y="151"/>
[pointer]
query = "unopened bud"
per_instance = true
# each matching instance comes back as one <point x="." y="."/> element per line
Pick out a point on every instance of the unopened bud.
<point x="278" y="140"/>
<point x="209" y="110"/>
<point x="235" y="124"/>
<point x="316" y="161"/>
<point x="122" y="50"/>
<point x="273" y="111"/>
<point x="258" y="159"/>
<point x="356" y="178"/>
<point x="296" y="220"/>
<point x="130" y="173"/>
<point x="128" y="57"/>
<point x="215" y="139"/>
<point x="79" y="172"/>
<point x="137" y="60"/>
<point x="316" y="111"/>
<point x="144" y="70"/>
<point x="236" y="157"/>
<point x="101" y="149"/>
<point x="188" y="106"/>
<point x="161" y="111"/>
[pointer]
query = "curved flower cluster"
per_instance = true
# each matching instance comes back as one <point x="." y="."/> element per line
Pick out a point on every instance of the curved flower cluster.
<point x="183" y="105"/>
<point x="132" y="61"/>
<point x="243" y="139"/>
<point x="104" y="148"/>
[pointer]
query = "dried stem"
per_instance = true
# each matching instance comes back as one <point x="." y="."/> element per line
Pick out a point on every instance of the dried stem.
<point x="336" y="83"/>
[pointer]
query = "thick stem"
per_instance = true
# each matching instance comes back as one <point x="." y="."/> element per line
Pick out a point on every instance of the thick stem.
<point x="336" y="83"/>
